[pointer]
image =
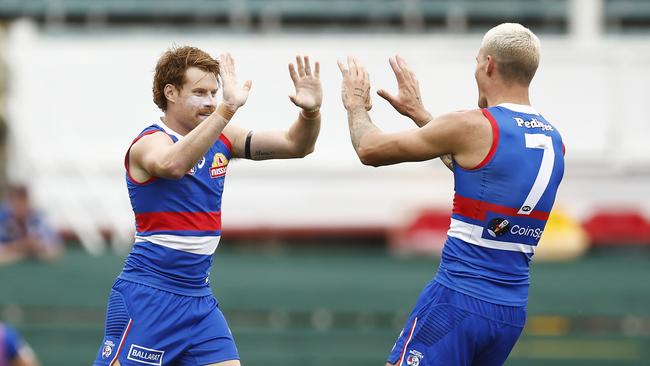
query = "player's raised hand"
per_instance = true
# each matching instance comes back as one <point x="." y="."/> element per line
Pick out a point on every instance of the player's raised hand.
<point x="408" y="100"/>
<point x="309" y="94"/>
<point x="355" y="90"/>
<point x="234" y="96"/>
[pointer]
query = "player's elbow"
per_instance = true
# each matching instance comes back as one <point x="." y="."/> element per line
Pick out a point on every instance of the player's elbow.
<point x="368" y="156"/>
<point x="306" y="151"/>
<point x="300" y="151"/>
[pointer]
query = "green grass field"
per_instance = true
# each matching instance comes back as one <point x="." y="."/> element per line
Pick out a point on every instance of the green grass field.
<point x="320" y="306"/>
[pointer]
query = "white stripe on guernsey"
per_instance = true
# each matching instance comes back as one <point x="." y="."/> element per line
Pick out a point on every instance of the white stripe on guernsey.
<point x="169" y="130"/>
<point x="408" y="340"/>
<point x="119" y="347"/>
<point x="519" y="108"/>
<point x="205" y="245"/>
<point x="472" y="234"/>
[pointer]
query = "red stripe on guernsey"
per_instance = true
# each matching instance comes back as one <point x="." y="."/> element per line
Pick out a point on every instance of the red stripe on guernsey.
<point x="119" y="348"/>
<point x="495" y="140"/>
<point x="176" y="221"/>
<point x="406" y="344"/>
<point x="126" y="158"/>
<point x="475" y="209"/>
<point x="563" y="149"/>
<point x="225" y="141"/>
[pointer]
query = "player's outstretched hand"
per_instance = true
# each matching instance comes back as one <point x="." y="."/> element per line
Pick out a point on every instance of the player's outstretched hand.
<point x="408" y="100"/>
<point x="309" y="94"/>
<point x="234" y="96"/>
<point x="356" y="84"/>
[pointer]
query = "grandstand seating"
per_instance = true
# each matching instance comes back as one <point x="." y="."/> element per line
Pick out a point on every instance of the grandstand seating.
<point x="287" y="12"/>
<point x="618" y="226"/>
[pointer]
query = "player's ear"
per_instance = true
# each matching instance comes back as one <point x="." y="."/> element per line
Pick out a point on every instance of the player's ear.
<point x="171" y="93"/>
<point x="490" y="65"/>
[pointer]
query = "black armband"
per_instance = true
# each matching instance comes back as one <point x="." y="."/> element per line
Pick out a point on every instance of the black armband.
<point x="247" y="145"/>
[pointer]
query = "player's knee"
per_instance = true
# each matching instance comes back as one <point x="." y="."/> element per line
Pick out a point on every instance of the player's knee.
<point x="389" y="364"/>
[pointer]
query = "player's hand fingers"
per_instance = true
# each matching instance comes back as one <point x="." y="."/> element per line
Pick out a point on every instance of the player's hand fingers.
<point x="352" y="67"/>
<point x="344" y="70"/>
<point x="406" y="71"/>
<point x="317" y="70"/>
<point x="388" y="96"/>
<point x="301" y="66"/>
<point x="399" y="75"/>
<point x="292" y="73"/>
<point x="361" y="69"/>
<point x="307" y="66"/>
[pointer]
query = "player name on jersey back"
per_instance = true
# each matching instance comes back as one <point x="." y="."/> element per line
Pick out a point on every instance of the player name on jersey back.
<point x="533" y="123"/>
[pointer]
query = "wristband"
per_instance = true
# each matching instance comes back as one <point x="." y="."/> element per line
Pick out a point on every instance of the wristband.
<point x="310" y="114"/>
<point x="225" y="112"/>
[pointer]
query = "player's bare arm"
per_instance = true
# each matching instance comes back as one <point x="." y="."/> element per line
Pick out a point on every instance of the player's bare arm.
<point x="156" y="155"/>
<point x="299" y="140"/>
<point x="466" y="135"/>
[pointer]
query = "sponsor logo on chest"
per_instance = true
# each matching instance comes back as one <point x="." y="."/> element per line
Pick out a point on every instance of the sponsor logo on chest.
<point x="145" y="355"/>
<point x="219" y="165"/>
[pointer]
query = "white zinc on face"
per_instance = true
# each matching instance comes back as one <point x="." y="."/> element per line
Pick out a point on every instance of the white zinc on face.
<point x="199" y="102"/>
<point x="199" y="93"/>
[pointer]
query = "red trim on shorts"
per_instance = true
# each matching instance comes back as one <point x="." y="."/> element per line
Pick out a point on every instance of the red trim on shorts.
<point x="126" y="158"/>
<point x="563" y="149"/>
<point x="226" y="142"/>
<point x="477" y="210"/>
<point x="401" y="358"/>
<point x="176" y="221"/>
<point x="495" y="140"/>
<point x="119" y="348"/>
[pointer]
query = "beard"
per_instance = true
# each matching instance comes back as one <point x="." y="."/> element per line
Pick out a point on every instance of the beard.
<point x="202" y="115"/>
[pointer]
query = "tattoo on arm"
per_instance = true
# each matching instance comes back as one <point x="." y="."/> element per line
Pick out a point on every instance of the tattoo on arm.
<point x="261" y="154"/>
<point x="360" y="124"/>
<point x="448" y="161"/>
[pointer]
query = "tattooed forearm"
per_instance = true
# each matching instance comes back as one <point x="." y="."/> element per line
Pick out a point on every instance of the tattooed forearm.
<point x="261" y="154"/>
<point x="360" y="124"/>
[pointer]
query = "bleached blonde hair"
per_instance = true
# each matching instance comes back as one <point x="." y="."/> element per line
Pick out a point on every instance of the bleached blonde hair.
<point x="516" y="51"/>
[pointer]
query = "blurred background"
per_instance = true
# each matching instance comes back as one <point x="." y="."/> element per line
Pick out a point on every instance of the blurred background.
<point x="322" y="259"/>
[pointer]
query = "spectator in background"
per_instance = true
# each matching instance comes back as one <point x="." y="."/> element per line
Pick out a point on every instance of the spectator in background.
<point x="24" y="233"/>
<point x="14" y="351"/>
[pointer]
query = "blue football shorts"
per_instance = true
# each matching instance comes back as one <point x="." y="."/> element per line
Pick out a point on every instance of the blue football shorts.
<point x="148" y="326"/>
<point x="449" y="328"/>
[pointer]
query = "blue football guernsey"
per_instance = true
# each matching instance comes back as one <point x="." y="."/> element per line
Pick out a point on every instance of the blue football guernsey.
<point x="501" y="207"/>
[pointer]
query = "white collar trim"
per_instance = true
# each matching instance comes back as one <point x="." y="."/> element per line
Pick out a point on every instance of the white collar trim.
<point x="519" y="108"/>
<point x="169" y="130"/>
